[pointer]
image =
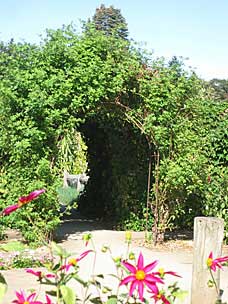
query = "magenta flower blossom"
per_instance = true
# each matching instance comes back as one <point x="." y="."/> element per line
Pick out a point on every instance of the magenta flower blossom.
<point x="160" y="297"/>
<point x="23" y="299"/>
<point x="213" y="263"/>
<point x="33" y="195"/>
<point x="73" y="261"/>
<point x="141" y="277"/>
<point x="22" y="200"/>
<point x="40" y="275"/>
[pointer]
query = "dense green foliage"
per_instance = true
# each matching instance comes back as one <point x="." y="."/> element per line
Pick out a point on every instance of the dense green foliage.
<point x="156" y="138"/>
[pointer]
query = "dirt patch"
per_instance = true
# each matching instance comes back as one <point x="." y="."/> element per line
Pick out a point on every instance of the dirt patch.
<point x="168" y="246"/>
<point x="174" y="241"/>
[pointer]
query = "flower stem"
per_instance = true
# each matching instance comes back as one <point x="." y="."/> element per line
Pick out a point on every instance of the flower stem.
<point x="214" y="282"/>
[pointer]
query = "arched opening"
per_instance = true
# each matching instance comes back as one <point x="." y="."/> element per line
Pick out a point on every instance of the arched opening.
<point x="117" y="167"/>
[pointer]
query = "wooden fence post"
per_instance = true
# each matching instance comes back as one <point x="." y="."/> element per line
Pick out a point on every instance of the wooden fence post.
<point x="208" y="236"/>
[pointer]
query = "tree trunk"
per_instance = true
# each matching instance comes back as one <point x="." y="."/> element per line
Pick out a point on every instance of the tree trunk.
<point x="156" y="212"/>
<point x="148" y="186"/>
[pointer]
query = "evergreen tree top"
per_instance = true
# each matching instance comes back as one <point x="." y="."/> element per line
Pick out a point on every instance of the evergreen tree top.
<point x="110" y="21"/>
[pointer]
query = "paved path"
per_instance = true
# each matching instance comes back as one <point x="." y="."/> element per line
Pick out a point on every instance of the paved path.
<point x="71" y="239"/>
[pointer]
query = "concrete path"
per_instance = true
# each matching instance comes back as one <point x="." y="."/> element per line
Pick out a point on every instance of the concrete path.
<point x="70" y="236"/>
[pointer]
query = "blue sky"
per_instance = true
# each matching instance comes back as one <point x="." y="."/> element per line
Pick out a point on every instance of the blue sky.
<point x="195" y="29"/>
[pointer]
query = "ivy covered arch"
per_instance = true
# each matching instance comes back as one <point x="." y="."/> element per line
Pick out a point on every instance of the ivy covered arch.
<point x="140" y="110"/>
<point x="117" y="162"/>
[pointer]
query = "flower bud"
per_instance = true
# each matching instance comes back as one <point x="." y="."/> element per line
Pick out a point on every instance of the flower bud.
<point x="104" y="248"/>
<point x="210" y="283"/>
<point x="131" y="256"/>
<point x="161" y="272"/>
<point x="105" y="290"/>
<point x="128" y="236"/>
<point x="86" y="238"/>
<point x="117" y="261"/>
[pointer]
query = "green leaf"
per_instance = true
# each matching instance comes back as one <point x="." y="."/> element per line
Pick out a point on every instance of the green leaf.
<point x="3" y="287"/>
<point x="180" y="295"/>
<point x="100" y="276"/>
<point x="58" y="250"/>
<point x="68" y="294"/>
<point x="112" y="300"/>
<point x="114" y="275"/>
<point x="79" y="280"/>
<point x="96" y="301"/>
<point x="51" y="293"/>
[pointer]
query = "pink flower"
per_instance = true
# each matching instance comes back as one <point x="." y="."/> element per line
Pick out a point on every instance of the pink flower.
<point x="141" y="277"/>
<point x="73" y="261"/>
<point x="22" y="200"/>
<point x="213" y="263"/>
<point x="40" y="275"/>
<point x="10" y="209"/>
<point x="26" y="199"/>
<point x="160" y="297"/>
<point x="22" y="299"/>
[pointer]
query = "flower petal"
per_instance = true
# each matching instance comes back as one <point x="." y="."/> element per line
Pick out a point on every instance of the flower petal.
<point x="127" y="280"/>
<point x="129" y="267"/>
<point x="31" y="297"/>
<point x="172" y="273"/>
<point x="218" y="265"/>
<point x="31" y="196"/>
<point x="67" y="267"/>
<point x="210" y="255"/>
<point x="140" y="261"/>
<point x="152" y="286"/>
<point x="222" y="259"/>
<point x="164" y="300"/>
<point x="167" y="272"/>
<point x="36" y="273"/>
<point x="150" y="266"/>
<point x="140" y="289"/>
<point x="20" y="295"/>
<point x="10" y="209"/>
<point x="82" y="255"/>
<point x="133" y="286"/>
<point x="50" y="275"/>
<point x="48" y="299"/>
<point x="153" y="279"/>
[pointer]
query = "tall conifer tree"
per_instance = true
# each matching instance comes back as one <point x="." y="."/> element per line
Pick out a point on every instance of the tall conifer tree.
<point x="110" y="21"/>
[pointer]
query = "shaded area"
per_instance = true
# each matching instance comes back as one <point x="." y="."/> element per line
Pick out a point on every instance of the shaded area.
<point x="118" y="166"/>
<point x="75" y="224"/>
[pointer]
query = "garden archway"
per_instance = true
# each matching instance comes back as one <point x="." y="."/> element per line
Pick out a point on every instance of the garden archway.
<point x="116" y="96"/>
<point x="117" y="163"/>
